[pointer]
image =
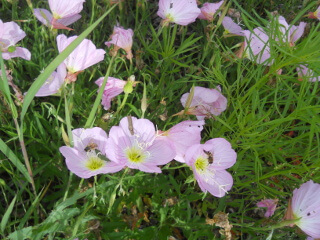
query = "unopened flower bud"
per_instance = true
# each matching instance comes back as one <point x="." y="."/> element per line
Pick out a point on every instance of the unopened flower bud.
<point x="144" y="104"/>
<point x="128" y="88"/>
<point x="65" y="137"/>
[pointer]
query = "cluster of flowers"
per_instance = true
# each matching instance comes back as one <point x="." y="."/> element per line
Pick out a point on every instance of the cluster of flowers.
<point x="256" y="45"/>
<point x="205" y="102"/>
<point x="136" y="144"/>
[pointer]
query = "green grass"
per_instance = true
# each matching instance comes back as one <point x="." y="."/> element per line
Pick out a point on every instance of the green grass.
<point x="272" y="121"/>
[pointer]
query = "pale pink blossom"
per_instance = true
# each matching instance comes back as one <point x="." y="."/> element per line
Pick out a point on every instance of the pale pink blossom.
<point x="257" y="46"/>
<point x="306" y="73"/>
<point x="88" y="156"/>
<point x="208" y="162"/>
<point x="311" y="238"/>
<point x="113" y="88"/>
<point x="205" y="103"/>
<point x="208" y="10"/>
<point x="305" y="208"/>
<point x="181" y="12"/>
<point x="85" y="55"/>
<point x="135" y="143"/>
<point x="44" y="16"/>
<point x="63" y="14"/>
<point x="183" y="135"/>
<point x="121" y="38"/>
<point x="290" y="33"/>
<point x="54" y="82"/>
<point x="10" y="35"/>
<point x="231" y="27"/>
<point x="270" y="204"/>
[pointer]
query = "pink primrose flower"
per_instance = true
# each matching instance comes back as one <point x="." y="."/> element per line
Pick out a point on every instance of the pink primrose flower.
<point x="63" y="14"/>
<point x="85" y="55"/>
<point x="205" y="103"/>
<point x="257" y="46"/>
<point x="121" y="38"/>
<point x="270" y="204"/>
<point x="208" y="162"/>
<point x="54" y="82"/>
<point x="87" y="157"/>
<point x="305" y="207"/>
<point x="10" y="35"/>
<point x="306" y="73"/>
<point x="311" y="238"/>
<point x="181" y="12"/>
<point x="291" y="33"/>
<point x="208" y="10"/>
<point x="135" y="143"/>
<point x="231" y="27"/>
<point x="113" y="88"/>
<point x="183" y="135"/>
<point x="44" y="16"/>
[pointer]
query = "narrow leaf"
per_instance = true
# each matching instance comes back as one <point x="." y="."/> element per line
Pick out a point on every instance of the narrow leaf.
<point x="14" y="159"/>
<point x="6" y="216"/>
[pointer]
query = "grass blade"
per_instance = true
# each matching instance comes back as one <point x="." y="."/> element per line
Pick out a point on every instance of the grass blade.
<point x="6" y="216"/>
<point x="14" y="159"/>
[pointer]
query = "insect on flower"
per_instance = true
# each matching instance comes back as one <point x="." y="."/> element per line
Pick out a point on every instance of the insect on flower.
<point x="91" y="146"/>
<point x="88" y="156"/>
<point x="211" y="175"/>
<point x="135" y="144"/>
<point x="210" y="156"/>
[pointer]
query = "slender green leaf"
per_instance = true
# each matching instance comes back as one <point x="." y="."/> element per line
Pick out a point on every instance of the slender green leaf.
<point x="14" y="159"/>
<point x="6" y="216"/>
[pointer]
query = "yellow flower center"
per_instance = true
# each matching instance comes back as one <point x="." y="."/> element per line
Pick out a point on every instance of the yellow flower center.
<point x="56" y="16"/>
<point x="135" y="155"/>
<point x="169" y="17"/>
<point x="94" y="163"/>
<point x="201" y="164"/>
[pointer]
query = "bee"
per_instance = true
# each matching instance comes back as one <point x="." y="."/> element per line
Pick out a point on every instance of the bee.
<point x="130" y="125"/>
<point x="210" y="156"/>
<point x="90" y="147"/>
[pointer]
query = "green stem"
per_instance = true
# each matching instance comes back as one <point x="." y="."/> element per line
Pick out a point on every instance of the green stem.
<point x="94" y="190"/>
<point x="68" y="186"/>
<point x="93" y="112"/>
<point x="284" y="223"/>
<point x="80" y="184"/>
<point x="276" y="226"/>
<point x="68" y="118"/>
<point x="124" y="173"/>
<point x="4" y="86"/>
<point x="93" y="3"/>
<point x="122" y="104"/>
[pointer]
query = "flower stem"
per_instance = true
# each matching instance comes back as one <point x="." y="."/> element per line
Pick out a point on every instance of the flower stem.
<point x="4" y="86"/>
<point x="122" y="104"/>
<point x="93" y="112"/>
